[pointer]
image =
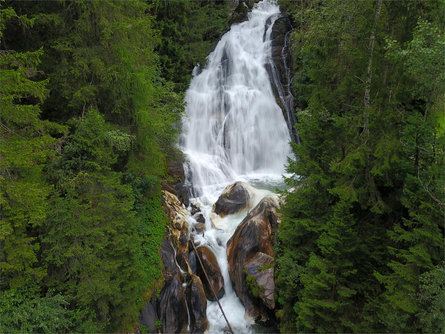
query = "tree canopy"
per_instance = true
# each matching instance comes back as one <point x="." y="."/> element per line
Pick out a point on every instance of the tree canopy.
<point x="91" y="98"/>
<point x="364" y="224"/>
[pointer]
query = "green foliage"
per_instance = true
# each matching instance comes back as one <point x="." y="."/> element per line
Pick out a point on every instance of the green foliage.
<point x="152" y="221"/>
<point x="365" y="218"/>
<point x="423" y="59"/>
<point x="188" y="32"/>
<point x="26" y="310"/>
<point x="418" y="239"/>
<point x="87" y="128"/>
<point x="431" y="298"/>
<point x="25" y="146"/>
<point x="23" y="310"/>
<point x="119" y="141"/>
<point x="254" y="288"/>
<point x="266" y="266"/>
<point x="94" y="225"/>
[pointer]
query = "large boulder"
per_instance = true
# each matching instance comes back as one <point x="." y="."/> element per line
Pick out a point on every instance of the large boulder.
<point x="183" y="298"/>
<point x="197" y="305"/>
<point x="182" y="259"/>
<point x="213" y="272"/>
<point x="200" y="227"/>
<point x="250" y="258"/>
<point x="172" y="308"/>
<point x="184" y="192"/>
<point x="182" y="252"/>
<point x="233" y="199"/>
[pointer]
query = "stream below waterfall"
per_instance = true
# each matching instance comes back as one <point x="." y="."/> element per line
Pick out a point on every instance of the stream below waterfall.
<point x="233" y="130"/>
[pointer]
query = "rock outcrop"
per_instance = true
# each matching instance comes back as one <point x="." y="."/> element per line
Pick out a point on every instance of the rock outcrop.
<point x="280" y="71"/>
<point x="149" y="317"/>
<point x="243" y="7"/>
<point x="259" y="271"/>
<point x="280" y="29"/>
<point x="183" y="297"/>
<point x="178" y="214"/>
<point x="250" y="257"/>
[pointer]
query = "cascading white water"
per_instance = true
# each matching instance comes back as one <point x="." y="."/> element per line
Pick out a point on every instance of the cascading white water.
<point x="233" y="130"/>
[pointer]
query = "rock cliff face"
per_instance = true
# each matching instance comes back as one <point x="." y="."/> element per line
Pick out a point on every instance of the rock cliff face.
<point x="280" y="70"/>
<point x="240" y="10"/>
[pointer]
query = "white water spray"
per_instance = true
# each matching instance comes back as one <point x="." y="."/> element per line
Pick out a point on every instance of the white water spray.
<point x="233" y="130"/>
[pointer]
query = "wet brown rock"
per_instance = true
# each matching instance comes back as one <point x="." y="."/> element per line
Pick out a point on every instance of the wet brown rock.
<point x="168" y="259"/>
<point x="197" y="304"/>
<point x="281" y="70"/>
<point x="213" y="271"/>
<point x="172" y="309"/>
<point x="182" y="258"/>
<point x="195" y="209"/>
<point x="266" y="211"/>
<point x="233" y="199"/>
<point x="249" y="250"/>
<point x="278" y="37"/>
<point x="184" y="192"/>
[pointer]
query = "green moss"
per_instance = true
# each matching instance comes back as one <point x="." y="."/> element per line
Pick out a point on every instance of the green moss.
<point x="255" y="289"/>
<point x="265" y="266"/>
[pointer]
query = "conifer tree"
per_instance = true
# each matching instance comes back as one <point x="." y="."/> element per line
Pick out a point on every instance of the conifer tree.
<point x="363" y="220"/>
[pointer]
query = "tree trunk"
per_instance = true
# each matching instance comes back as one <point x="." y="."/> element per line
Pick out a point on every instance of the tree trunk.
<point x="366" y="99"/>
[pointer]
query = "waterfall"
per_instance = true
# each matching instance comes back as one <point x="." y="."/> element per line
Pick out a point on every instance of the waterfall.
<point x="233" y="130"/>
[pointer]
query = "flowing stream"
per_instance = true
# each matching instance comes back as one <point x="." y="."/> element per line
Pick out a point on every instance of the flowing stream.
<point x="234" y="131"/>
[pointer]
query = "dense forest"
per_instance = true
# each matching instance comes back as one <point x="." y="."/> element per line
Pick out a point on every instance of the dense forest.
<point x="92" y="95"/>
<point x="362" y="238"/>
